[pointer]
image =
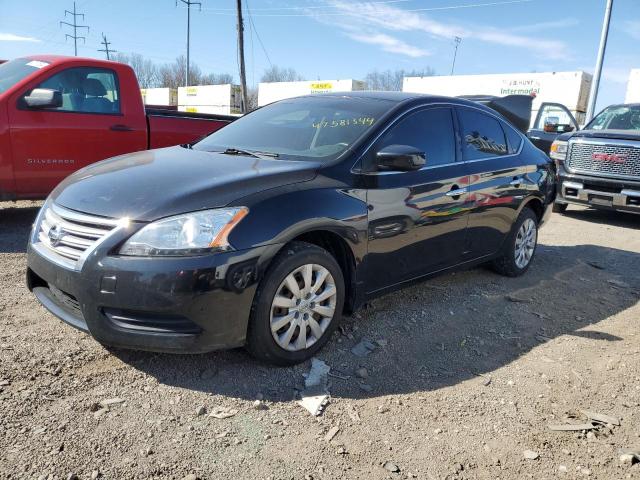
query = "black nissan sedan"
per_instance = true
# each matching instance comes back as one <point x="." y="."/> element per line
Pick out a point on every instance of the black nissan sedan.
<point x="265" y="232"/>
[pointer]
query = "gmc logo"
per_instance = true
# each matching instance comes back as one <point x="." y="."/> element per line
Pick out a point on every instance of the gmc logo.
<point x="609" y="157"/>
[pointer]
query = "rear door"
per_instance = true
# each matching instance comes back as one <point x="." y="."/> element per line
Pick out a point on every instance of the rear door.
<point x="417" y="219"/>
<point x="498" y="180"/>
<point x="543" y="133"/>
<point x="92" y="124"/>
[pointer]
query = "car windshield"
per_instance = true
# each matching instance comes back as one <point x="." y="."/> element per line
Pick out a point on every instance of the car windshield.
<point x="305" y="128"/>
<point x="15" y="70"/>
<point x="620" y="117"/>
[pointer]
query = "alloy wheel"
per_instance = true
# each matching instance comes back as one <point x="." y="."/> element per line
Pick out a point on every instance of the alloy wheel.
<point x="303" y="307"/>
<point x="525" y="243"/>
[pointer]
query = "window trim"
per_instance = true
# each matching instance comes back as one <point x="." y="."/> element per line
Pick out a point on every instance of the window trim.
<point x="398" y="119"/>
<point x="21" y="105"/>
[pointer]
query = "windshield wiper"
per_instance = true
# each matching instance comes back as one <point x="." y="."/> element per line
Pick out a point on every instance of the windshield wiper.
<point x="250" y="153"/>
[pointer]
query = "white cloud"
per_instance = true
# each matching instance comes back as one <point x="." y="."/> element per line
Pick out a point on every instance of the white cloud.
<point x="10" y="37"/>
<point x="390" y="44"/>
<point x="366" y="17"/>
<point x="632" y="28"/>
<point x="547" y="26"/>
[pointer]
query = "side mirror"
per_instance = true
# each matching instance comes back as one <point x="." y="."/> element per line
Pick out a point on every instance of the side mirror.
<point x="551" y="124"/>
<point x="401" y="157"/>
<point x="43" y="98"/>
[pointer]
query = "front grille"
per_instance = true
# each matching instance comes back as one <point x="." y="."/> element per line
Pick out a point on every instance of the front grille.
<point x="613" y="159"/>
<point x="69" y="234"/>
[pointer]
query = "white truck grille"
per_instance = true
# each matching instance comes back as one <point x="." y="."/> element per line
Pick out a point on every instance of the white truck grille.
<point x="612" y="159"/>
<point x="69" y="234"/>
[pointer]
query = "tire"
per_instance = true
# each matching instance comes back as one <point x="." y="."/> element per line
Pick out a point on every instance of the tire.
<point x="514" y="260"/>
<point x="294" y="312"/>
<point x="559" y="207"/>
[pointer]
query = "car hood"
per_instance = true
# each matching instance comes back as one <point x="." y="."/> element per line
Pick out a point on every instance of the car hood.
<point x="608" y="134"/>
<point x="159" y="183"/>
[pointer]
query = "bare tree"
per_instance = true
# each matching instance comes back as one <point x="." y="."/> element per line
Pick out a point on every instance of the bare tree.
<point x="146" y="71"/>
<point x="391" y="80"/>
<point x="216" y="79"/>
<point x="278" y="74"/>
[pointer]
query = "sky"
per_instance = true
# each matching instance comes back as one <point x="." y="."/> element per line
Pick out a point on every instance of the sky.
<point x="339" y="39"/>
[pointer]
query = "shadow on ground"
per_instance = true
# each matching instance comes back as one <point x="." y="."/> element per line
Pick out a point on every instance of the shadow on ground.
<point x="15" y="224"/>
<point x="437" y="333"/>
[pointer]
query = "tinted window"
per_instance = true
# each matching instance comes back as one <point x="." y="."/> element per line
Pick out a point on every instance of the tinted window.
<point x="15" y="70"/>
<point x="430" y="131"/>
<point x="86" y="90"/>
<point x="513" y="137"/>
<point x="482" y="135"/>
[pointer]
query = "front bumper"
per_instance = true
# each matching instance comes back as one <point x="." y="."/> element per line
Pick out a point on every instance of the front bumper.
<point x="598" y="192"/>
<point x="179" y="305"/>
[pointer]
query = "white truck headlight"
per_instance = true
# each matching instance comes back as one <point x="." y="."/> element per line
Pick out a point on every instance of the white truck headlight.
<point x="188" y="234"/>
<point x="558" y="150"/>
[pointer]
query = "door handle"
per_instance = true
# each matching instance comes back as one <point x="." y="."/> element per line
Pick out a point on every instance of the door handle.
<point x="120" y="128"/>
<point x="515" y="182"/>
<point x="456" y="192"/>
<point x="535" y="138"/>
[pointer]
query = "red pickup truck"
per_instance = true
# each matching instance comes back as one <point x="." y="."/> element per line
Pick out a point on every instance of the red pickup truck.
<point x="59" y="114"/>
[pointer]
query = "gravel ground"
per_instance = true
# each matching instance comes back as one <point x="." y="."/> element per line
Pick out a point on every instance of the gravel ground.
<point x="468" y="372"/>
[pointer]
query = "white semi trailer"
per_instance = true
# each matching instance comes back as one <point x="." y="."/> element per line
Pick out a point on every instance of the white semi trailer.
<point x="567" y="88"/>
<point x="633" y="87"/>
<point x="218" y="99"/>
<point x="273" y="91"/>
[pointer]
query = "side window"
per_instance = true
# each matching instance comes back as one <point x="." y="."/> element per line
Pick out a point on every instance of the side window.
<point x="86" y="90"/>
<point x="513" y="138"/>
<point x="482" y="135"/>
<point x="430" y="130"/>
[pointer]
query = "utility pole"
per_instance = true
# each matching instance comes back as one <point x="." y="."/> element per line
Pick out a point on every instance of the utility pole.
<point x="75" y="27"/>
<point x="188" y="3"/>
<point x="106" y="48"/>
<point x="595" y="82"/>
<point x="455" y="52"/>
<point x="243" y="77"/>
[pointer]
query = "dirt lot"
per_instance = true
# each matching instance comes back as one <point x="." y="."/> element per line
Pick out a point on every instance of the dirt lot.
<point x="468" y="372"/>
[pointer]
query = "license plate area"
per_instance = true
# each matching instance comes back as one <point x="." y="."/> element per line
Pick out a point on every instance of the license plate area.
<point x="603" y="200"/>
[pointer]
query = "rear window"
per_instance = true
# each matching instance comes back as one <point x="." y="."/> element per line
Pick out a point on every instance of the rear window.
<point x="16" y="70"/>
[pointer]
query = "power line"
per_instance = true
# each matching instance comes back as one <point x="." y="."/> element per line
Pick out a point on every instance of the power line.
<point x="106" y="48"/>
<point x="188" y="3"/>
<point x="457" y="40"/>
<point x="75" y="27"/>
<point x="254" y="29"/>
<point x="341" y="13"/>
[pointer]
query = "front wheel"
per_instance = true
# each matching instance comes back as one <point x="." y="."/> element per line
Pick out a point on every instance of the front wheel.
<point x="519" y="247"/>
<point x="297" y="306"/>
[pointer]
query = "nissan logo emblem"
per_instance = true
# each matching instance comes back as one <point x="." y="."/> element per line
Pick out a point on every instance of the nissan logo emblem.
<point x="55" y="235"/>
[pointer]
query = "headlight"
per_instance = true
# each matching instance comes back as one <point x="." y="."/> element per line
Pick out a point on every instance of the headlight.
<point x="189" y="234"/>
<point x="558" y="150"/>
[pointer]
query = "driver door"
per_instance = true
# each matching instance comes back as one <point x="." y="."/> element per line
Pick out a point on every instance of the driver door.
<point x="49" y="144"/>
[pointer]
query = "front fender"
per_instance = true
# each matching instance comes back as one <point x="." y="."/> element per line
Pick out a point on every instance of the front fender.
<point x="278" y="216"/>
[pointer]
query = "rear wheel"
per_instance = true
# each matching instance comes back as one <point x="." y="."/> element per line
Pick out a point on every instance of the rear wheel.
<point x="559" y="207"/>
<point x="520" y="246"/>
<point x="298" y="305"/>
